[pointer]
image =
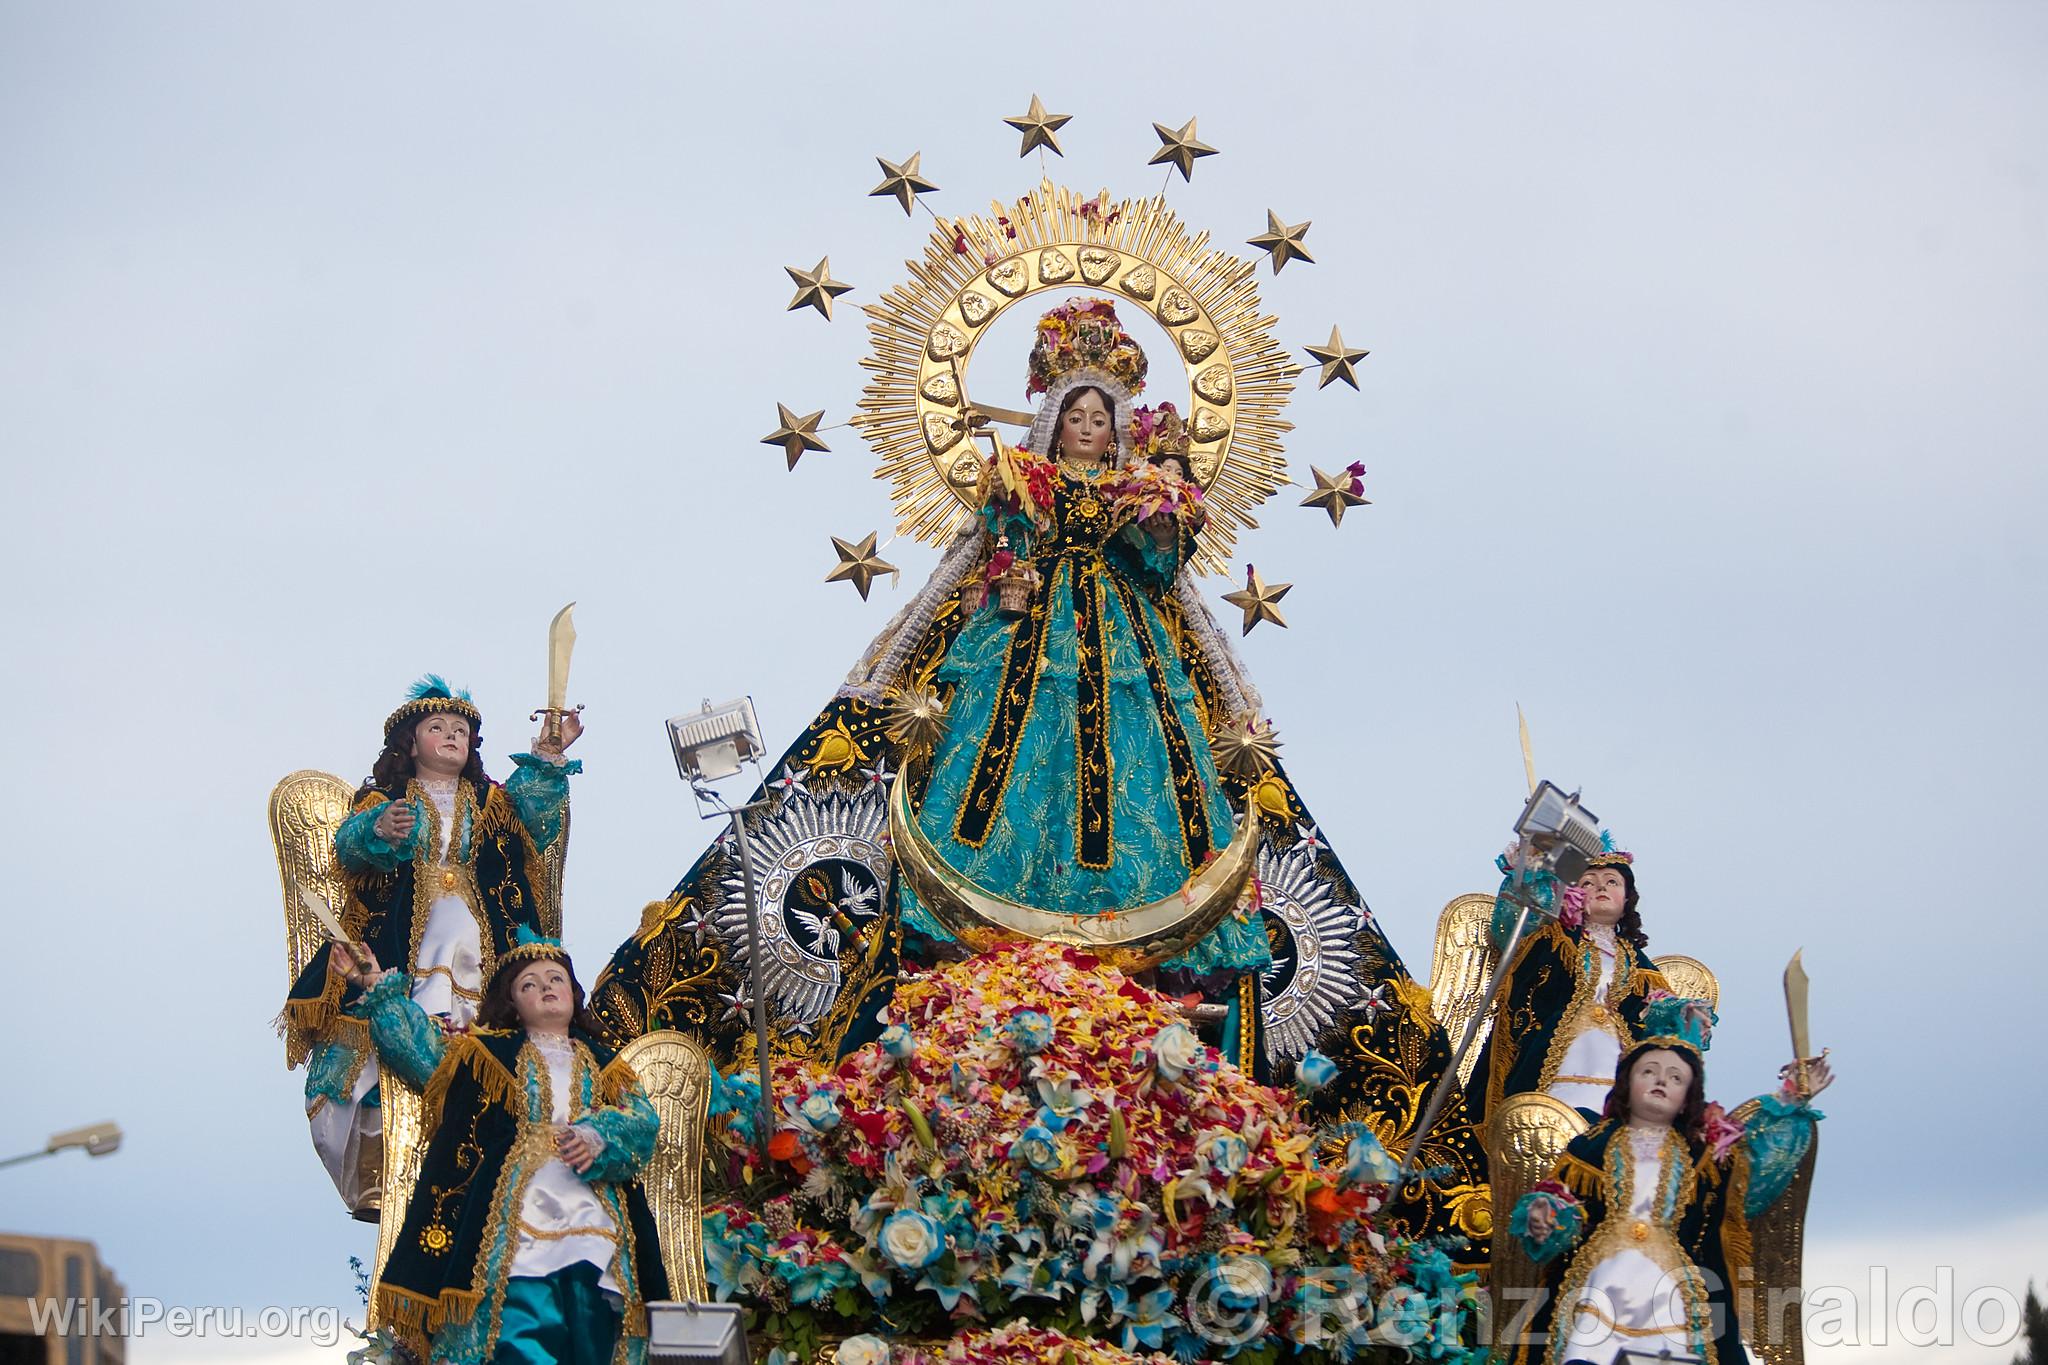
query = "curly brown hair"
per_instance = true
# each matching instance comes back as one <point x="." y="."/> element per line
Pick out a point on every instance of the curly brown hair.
<point x="1692" y="1116"/>
<point x="395" y="766"/>
<point x="497" y="1010"/>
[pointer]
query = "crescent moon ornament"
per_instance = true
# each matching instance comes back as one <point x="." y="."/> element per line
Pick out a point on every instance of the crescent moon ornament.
<point x="1128" y="940"/>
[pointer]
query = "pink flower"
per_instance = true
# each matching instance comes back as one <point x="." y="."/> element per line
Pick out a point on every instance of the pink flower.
<point x="1718" y="1131"/>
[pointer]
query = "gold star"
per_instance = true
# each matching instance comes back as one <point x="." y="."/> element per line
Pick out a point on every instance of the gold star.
<point x="858" y="564"/>
<point x="796" y="435"/>
<point x="1248" y="752"/>
<point x="816" y="288"/>
<point x="1283" y="241"/>
<point x="902" y="181"/>
<point x="1333" y="494"/>
<point x="1257" y="598"/>
<point x="1338" y="360"/>
<point x="1038" y="128"/>
<point x="1178" y="146"/>
<point x="917" y="721"/>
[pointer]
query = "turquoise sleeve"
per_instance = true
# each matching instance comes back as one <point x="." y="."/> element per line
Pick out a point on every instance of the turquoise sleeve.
<point x="1777" y="1139"/>
<point x="628" y="1132"/>
<point x="539" y="791"/>
<point x="408" y="1042"/>
<point x="331" y="1070"/>
<point x="359" y="846"/>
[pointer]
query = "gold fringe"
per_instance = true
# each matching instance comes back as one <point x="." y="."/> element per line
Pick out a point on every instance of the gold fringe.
<point x="1738" y="1247"/>
<point x="466" y="1053"/>
<point x="615" y="1080"/>
<point x="1579" y="1177"/>
<point x="423" y="1314"/>
<point x="304" y="1023"/>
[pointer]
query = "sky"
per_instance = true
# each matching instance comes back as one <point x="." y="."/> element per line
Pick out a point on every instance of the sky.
<point x="1702" y="419"/>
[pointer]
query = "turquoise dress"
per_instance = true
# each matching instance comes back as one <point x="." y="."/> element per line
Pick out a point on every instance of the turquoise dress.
<point x="1075" y="773"/>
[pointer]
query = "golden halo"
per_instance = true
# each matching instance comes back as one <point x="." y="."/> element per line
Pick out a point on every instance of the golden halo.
<point x="914" y="410"/>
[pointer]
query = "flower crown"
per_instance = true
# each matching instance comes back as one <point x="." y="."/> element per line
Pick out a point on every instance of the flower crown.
<point x="1084" y="333"/>
<point x="432" y="695"/>
<point x="1159" y="431"/>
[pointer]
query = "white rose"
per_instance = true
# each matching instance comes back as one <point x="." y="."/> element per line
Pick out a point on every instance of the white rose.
<point x="912" y="1240"/>
<point x="863" y="1350"/>
<point x="1175" y="1050"/>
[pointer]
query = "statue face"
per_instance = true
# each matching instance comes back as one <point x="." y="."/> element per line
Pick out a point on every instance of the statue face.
<point x="1085" y="429"/>
<point x="542" y="996"/>
<point x="1657" y="1087"/>
<point x="440" y="746"/>
<point x="1606" y="895"/>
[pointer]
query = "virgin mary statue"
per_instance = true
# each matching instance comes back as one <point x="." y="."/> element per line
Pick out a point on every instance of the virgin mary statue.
<point x="1048" y="701"/>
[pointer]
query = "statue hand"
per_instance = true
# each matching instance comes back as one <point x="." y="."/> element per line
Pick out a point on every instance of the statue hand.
<point x="572" y="726"/>
<point x="1816" y="1074"/>
<point x="575" y="1150"/>
<point x="394" y="822"/>
<point x="357" y="964"/>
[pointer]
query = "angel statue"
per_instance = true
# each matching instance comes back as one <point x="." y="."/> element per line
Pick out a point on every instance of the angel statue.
<point x="1030" y="748"/>
<point x="1575" y="992"/>
<point x="1651" y="1222"/>
<point x="439" y="868"/>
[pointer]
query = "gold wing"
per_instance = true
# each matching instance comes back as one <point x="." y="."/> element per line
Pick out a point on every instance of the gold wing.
<point x="305" y="811"/>
<point x="1462" y="970"/>
<point x="675" y="1071"/>
<point x="405" y="1145"/>
<point x="1524" y="1138"/>
<point x="1778" y="1249"/>
<point x="1691" y="978"/>
<point x="552" y="863"/>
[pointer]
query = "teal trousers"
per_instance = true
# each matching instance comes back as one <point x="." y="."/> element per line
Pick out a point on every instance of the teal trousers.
<point x="563" y="1319"/>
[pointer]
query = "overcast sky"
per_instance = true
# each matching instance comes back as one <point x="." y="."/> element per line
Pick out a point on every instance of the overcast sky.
<point x="1703" y="418"/>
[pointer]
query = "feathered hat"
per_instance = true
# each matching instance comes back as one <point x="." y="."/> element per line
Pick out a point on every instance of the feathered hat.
<point x="528" y="947"/>
<point x="432" y="695"/>
<point x="1683" y="1025"/>
<point x="1610" y="856"/>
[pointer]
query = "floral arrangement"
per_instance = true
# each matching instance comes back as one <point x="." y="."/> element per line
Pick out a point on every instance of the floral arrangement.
<point x="1084" y="331"/>
<point x="1035" y="1140"/>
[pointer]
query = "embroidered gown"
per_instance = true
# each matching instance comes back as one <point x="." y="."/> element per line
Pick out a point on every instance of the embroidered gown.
<point x="1653" y="1233"/>
<point x="439" y="904"/>
<point x="497" y="1213"/>
<point x="1075" y="774"/>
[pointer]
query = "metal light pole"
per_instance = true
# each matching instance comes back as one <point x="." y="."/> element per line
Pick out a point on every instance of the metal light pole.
<point x="710" y="745"/>
<point x="99" y="1139"/>
<point x="1557" y="835"/>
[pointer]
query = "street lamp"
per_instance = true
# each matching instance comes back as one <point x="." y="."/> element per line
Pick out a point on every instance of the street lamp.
<point x="1556" y="835"/>
<point x="695" y="1334"/>
<point x="710" y="745"/>
<point x="98" y="1139"/>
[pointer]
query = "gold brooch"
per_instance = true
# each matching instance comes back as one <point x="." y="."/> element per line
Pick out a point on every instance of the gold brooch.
<point x="435" y="1238"/>
<point x="1640" y="1231"/>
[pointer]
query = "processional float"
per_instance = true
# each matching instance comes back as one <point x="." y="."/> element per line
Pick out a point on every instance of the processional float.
<point x="814" y="946"/>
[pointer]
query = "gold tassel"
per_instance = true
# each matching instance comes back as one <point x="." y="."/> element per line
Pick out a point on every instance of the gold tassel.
<point x="1579" y="1177"/>
<point x="465" y="1052"/>
<point x="424" y="1314"/>
<point x="615" y="1080"/>
<point x="1738" y="1248"/>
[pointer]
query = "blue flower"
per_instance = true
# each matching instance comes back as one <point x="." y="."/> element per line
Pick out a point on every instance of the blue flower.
<point x="1313" y="1072"/>
<point x="821" y="1110"/>
<point x="1367" y="1163"/>
<point x="1037" y="1148"/>
<point x="897" y="1042"/>
<point x="809" y="1283"/>
<point x="1149" y="1320"/>
<point x="1224" y="1151"/>
<point x="1031" y="1032"/>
